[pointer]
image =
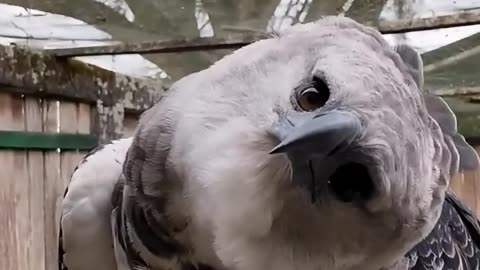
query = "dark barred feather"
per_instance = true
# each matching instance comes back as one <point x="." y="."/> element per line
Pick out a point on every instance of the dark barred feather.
<point x="454" y="242"/>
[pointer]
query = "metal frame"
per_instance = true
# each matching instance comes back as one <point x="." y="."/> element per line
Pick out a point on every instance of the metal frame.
<point x="471" y="17"/>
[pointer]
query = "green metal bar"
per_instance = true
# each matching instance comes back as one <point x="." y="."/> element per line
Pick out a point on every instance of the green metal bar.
<point x="46" y="141"/>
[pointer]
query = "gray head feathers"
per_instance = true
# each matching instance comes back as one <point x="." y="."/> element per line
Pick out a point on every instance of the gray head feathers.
<point x="464" y="156"/>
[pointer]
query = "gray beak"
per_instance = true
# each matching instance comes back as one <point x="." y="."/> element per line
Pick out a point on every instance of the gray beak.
<point x="321" y="135"/>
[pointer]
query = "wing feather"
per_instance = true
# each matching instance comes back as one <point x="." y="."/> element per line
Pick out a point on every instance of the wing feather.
<point x="453" y="244"/>
<point x="85" y="232"/>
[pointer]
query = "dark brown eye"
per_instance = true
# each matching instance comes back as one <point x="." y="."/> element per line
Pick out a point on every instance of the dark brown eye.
<point x="314" y="97"/>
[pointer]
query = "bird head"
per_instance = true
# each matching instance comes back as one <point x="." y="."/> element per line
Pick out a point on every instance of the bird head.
<point x="319" y="140"/>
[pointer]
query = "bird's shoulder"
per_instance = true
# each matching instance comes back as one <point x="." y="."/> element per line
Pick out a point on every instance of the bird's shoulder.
<point x="453" y="243"/>
<point x="151" y="212"/>
<point x="153" y="234"/>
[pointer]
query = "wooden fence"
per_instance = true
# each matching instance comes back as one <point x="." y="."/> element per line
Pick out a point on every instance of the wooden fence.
<point x="33" y="181"/>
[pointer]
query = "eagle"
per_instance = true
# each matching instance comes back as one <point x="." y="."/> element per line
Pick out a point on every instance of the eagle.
<point x="315" y="149"/>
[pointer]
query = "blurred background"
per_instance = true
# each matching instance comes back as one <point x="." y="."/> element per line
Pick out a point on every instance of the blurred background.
<point x="76" y="73"/>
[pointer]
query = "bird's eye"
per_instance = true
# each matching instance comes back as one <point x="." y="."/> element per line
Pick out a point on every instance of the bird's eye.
<point x="314" y="96"/>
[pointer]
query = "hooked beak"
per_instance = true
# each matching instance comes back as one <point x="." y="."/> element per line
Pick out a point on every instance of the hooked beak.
<point x="322" y="135"/>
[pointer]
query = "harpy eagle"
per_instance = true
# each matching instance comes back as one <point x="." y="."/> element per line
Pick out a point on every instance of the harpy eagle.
<point x="314" y="149"/>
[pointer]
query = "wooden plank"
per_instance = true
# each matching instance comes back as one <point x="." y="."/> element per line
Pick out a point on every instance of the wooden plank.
<point x="470" y="17"/>
<point x="73" y="119"/>
<point x="84" y="124"/>
<point x="59" y="167"/>
<point x="84" y="118"/>
<point x="457" y="184"/>
<point x="35" y="161"/>
<point x="467" y="187"/>
<point x="458" y="91"/>
<point x="162" y="46"/>
<point x="471" y="194"/>
<point x="10" y="110"/>
<point x="68" y="124"/>
<point x="470" y="189"/>
<point x="22" y="198"/>
<point x="54" y="188"/>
